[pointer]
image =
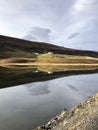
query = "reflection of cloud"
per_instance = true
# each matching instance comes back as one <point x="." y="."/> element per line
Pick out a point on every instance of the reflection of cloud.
<point x="36" y="89"/>
<point x="72" y="87"/>
<point x="38" y="34"/>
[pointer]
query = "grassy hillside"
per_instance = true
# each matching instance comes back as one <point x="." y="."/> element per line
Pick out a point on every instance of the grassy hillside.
<point x="23" y="61"/>
<point x="51" y="59"/>
<point x="13" y="47"/>
<point x="19" y="52"/>
<point x="66" y="59"/>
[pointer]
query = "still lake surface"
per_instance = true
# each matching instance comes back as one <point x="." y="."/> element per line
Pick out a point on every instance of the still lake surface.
<point x="24" y="107"/>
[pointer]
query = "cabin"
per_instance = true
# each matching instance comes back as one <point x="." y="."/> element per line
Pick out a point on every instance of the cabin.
<point x="50" y="52"/>
<point x="35" y="53"/>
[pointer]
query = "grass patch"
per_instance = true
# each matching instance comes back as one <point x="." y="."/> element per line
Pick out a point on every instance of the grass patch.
<point x="68" y="59"/>
<point x="50" y="59"/>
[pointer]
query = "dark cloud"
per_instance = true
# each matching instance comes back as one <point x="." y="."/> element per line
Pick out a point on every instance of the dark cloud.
<point x="39" y="34"/>
<point x="73" y="35"/>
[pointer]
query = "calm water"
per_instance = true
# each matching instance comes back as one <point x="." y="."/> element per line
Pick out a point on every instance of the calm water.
<point x="24" y="107"/>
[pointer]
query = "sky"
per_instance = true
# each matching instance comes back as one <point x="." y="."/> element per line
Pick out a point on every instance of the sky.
<point x="68" y="23"/>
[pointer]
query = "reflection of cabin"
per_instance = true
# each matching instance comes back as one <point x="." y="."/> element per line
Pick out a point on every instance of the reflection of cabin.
<point x="49" y="72"/>
<point x="50" y="52"/>
<point x="36" y="71"/>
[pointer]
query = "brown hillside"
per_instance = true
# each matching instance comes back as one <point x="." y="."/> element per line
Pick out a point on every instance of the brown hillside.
<point x="12" y="45"/>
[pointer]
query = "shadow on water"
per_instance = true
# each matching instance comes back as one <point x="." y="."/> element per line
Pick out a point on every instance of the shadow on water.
<point x="22" y="75"/>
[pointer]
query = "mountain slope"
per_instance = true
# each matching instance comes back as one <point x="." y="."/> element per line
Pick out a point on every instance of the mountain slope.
<point x="10" y="47"/>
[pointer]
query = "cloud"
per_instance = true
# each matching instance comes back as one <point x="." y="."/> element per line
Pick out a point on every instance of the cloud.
<point x="38" y="34"/>
<point x="73" y="35"/>
<point x="84" y="5"/>
<point x="29" y="37"/>
<point x="51" y="21"/>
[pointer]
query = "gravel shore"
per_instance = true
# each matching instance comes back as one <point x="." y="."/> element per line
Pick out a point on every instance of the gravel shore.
<point x="82" y="117"/>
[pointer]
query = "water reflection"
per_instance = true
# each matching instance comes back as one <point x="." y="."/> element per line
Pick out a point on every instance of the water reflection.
<point x="24" y="107"/>
<point x="22" y="75"/>
<point x="37" y="89"/>
<point x="72" y="87"/>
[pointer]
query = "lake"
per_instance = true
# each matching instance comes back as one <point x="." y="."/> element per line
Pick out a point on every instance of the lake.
<point x="32" y="98"/>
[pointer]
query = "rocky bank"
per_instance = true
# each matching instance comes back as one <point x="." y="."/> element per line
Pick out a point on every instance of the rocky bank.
<point x="82" y="117"/>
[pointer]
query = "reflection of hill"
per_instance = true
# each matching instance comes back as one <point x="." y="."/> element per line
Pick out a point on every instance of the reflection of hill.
<point x="13" y="77"/>
<point x="61" y="68"/>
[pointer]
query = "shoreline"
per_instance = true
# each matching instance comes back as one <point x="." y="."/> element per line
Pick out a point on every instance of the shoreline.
<point x="47" y="64"/>
<point x="65" y="64"/>
<point x="81" y="117"/>
<point x="50" y="67"/>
